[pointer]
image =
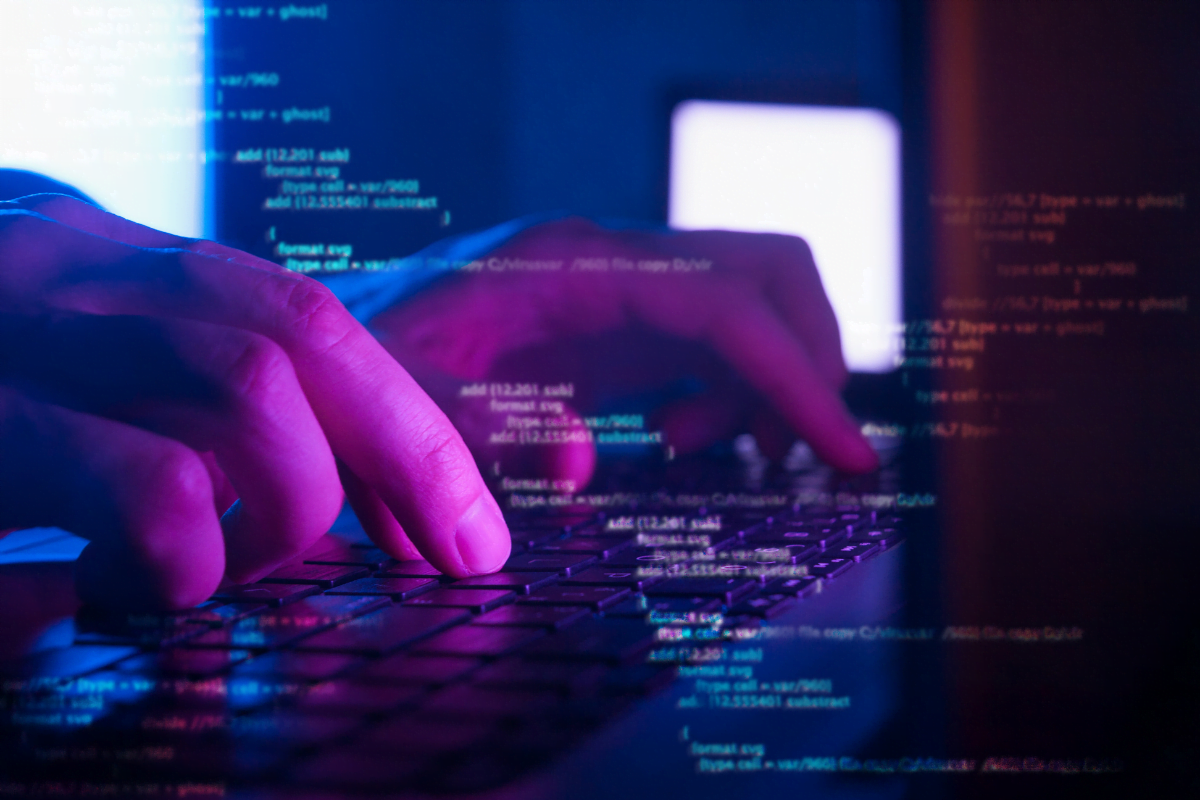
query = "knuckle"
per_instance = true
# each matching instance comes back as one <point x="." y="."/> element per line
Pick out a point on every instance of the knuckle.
<point x="259" y="370"/>
<point x="789" y="248"/>
<point x="443" y="457"/>
<point x="315" y="316"/>
<point x="179" y="476"/>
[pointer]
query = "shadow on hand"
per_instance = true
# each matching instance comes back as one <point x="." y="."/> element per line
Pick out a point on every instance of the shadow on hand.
<point x="36" y="597"/>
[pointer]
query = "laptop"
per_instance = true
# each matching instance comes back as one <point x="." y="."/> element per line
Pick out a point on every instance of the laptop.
<point x="1005" y="607"/>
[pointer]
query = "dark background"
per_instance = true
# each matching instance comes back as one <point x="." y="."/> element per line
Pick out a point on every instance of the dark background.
<point x="506" y="108"/>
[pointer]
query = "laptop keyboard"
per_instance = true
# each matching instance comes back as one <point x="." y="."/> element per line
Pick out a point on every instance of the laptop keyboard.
<point x="355" y="673"/>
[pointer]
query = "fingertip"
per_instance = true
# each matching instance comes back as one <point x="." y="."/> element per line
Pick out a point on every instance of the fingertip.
<point x="482" y="537"/>
<point x="855" y="454"/>
<point x="861" y="457"/>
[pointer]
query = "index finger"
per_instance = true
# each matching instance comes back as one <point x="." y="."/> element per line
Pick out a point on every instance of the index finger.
<point x="760" y="346"/>
<point x="377" y="419"/>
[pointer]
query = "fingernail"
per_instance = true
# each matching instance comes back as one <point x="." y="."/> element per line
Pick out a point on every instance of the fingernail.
<point x="482" y="537"/>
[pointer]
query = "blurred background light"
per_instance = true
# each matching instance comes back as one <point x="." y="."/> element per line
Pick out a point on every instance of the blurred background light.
<point x="109" y="97"/>
<point x="828" y="174"/>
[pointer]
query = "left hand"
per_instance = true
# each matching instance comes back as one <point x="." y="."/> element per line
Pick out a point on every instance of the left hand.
<point x="754" y="324"/>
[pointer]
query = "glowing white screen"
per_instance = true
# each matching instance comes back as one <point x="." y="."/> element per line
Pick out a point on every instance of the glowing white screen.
<point x="829" y="175"/>
<point x="109" y="97"/>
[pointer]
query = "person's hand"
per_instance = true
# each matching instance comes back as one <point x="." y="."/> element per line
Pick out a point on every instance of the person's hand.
<point x="745" y="313"/>
<point x="146" y="381"/>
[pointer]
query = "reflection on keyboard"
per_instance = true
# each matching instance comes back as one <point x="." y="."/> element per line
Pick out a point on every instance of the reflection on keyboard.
<point x="352" y="672"/>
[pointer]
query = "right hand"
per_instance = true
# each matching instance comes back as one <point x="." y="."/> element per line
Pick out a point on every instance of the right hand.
<point x="149" y="381"/>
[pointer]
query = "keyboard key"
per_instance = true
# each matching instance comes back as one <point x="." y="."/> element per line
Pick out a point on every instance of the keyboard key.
<point x="233" y="694"/>
<point x="554" y="617"/>
<point x="538" y="740"/>
<point x="279" y="627"/>
<point x="638" y="679"/>
<point x="608" y="640"/>
<point x="352" y="697"/>
<point x="295" y="729"/>
<point x="563" y="563"/>
<point x="797" y="587"/>
<point x="606" y="575"/>
<point x="273" y="595"/>
<point x="824" y="517"/>
<point x="349" y="769"/>
<point x="859" y="551"/>
<point x="751" y="562"/>
<point x="639" y="607"/>
<point x="885" y="537"/>
<point x="822" y="537"/>
<point x="523" y="582"/>
<point x="590" y="529"/>
<point x="467" y="701"/>
<point x="297" y="665"/>
<point x="644" y="558"/>
<point x="225" y="760"/>
<point x="160" y="628"/>
<point x="96" y="691"/>
<point x="228" y="613"/>
<point x="764" y="606"/>
<point x="330" y="608"/>
<point x="419" y="670"/>
<point x="91" y="617"/>
<point x="477" y="600"/>
<point x="332" y="549"/>
<point x="477" y="772"/>
<point x="828" y="568"/>
<point x="728" y="590"/>
<point x="742" y="522"/>
<point x="568" y="677"/>
<point x="787" y="553"/>
<point x="479" y="641"/>
<point x="524" y="538"/>
<point x="596" y="597"/>
<point x="385" y="630"/>
<point x="395" y="588"/>
<point x="410" y="569"/>
<point x="569" y="520"/>
<point x="422" y="733"/>
<point x="597" y="546"/>
<point x="526" y="522"/>
<point x="324" y="575"/>
<point x="93" y="627"/>
<point x="716" y="540"/>
<point x="158" y="725"/>
<point x="370" y="557"/>
<point x="328" y="544"/>
<point x="182" y="662"/>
